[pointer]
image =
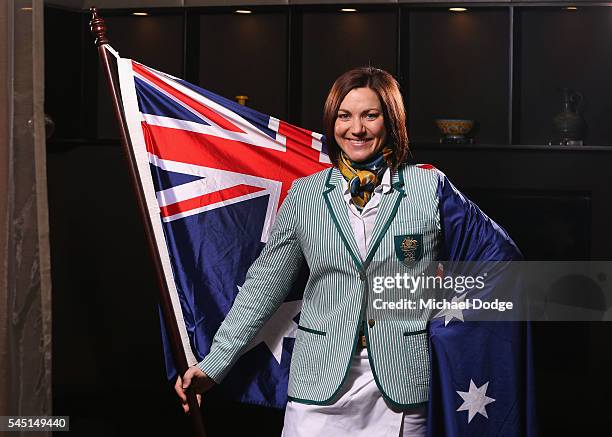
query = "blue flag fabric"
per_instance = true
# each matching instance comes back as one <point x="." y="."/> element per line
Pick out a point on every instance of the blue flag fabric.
<point x="482" y="373"/>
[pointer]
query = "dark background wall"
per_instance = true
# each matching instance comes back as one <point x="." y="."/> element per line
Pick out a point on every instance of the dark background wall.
<point x="502" y="66"/>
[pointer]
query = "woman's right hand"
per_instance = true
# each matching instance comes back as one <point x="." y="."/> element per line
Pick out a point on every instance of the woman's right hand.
<point x="200" y="381"/>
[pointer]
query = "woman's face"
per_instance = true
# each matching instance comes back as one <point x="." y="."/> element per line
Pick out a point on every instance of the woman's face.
<point x="359" y="129"/>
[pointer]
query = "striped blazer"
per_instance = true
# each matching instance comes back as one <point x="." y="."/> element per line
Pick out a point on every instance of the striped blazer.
<point x="313" y="227"/>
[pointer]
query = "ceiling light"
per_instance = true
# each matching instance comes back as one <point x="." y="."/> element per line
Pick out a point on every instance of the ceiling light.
<point x="26" y="9"/>
<point x="571" y="8"/>
<point x="243" y="11"/>
<point x="457" y="9"/>
<point x="348" y="10"/>
<point x="140" y="14"/>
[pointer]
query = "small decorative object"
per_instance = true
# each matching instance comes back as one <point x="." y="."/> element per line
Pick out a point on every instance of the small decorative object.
<point x="242" y="100"/>
<point x="455" y="130"/>
<point x="569" y="124"/>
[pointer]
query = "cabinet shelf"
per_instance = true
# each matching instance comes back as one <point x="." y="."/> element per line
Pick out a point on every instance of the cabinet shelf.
<point x="501" y="64"/>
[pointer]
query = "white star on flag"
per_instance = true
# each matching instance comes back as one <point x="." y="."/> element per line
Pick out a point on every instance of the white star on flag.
<point x="277" y="328"/>
<point x="449" y="313"/>
<point x="475" y="400"/>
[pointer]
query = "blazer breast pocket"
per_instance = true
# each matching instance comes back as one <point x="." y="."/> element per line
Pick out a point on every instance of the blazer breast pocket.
<point x="415" y="240"/>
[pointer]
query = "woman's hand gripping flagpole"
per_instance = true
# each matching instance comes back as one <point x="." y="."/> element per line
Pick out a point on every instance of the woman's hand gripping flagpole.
<point x="195" y="380"/>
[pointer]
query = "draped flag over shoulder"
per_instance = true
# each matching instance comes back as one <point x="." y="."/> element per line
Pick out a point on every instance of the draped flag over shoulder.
<point x="481" y="371"/>
<point x="214" y="174"/>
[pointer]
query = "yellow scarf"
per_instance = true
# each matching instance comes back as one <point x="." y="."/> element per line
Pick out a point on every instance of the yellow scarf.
<point x="363" y="177"/>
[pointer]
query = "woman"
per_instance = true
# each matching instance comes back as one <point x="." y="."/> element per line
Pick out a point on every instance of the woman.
<point x="354" y="370"/>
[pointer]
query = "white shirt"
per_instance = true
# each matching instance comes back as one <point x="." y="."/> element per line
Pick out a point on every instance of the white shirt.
<point x="363" y="223"/>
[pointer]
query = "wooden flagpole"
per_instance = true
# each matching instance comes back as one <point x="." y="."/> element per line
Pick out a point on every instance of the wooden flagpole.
<point x="98" y="28"/>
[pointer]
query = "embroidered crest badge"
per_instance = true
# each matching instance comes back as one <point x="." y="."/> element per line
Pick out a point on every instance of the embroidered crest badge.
<point x="409" y="248"/>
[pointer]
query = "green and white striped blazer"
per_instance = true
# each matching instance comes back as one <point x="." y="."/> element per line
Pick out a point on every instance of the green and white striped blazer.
<point x="313" y="226"/>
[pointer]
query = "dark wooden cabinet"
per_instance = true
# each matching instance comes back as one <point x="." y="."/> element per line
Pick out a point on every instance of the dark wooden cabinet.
<point x="334" y="42"/>
<point x="245" y="55"/>
<point x="500" y="65"/>
<point x="564" y="48"/>
<point x="457" y="66"/>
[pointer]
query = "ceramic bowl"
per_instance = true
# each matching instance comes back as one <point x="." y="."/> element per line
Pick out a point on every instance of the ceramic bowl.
<point x="454" y="126"/>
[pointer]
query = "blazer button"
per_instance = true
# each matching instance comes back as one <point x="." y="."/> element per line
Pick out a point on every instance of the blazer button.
<point x="371" y="323"/>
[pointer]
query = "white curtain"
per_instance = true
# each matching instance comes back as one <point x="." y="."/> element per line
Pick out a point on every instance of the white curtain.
<point x="25" y="281"/>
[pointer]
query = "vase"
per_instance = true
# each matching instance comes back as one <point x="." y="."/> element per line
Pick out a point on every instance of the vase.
<point x="569" y="124"/>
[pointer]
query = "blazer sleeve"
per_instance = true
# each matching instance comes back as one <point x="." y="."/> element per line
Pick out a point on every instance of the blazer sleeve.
<point x="267" y="283"/>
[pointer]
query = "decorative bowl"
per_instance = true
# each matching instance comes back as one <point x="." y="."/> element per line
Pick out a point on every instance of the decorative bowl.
<point x="454" y="127"/>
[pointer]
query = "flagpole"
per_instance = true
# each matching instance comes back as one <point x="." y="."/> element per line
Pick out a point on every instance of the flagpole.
<point x="98" y="28"/>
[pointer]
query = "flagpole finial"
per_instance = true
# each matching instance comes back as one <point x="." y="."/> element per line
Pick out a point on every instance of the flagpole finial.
<point x="98" y="27"/>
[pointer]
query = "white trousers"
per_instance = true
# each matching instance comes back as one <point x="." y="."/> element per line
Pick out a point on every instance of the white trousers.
<point x="359" y="411"/>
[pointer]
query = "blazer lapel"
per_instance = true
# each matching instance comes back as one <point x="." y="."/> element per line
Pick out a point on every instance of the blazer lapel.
<point x="336" y="205"/>
<point x="386" y="213"/>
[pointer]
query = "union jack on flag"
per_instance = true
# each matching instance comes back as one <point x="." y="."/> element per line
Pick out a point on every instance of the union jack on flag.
<point x="214" y="174"/>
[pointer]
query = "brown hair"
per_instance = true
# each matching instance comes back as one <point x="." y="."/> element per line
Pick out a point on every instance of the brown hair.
<point x="387" y="89"/>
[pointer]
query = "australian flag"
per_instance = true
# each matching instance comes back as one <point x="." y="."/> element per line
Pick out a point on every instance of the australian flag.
<point x="214" y="174"/>
<point x="482" y="376"/>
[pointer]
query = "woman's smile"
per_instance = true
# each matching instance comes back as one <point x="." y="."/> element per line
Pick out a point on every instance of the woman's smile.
<point x="359" y="142"/>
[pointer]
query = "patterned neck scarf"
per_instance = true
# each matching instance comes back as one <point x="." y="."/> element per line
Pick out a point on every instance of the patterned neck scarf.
<point x="363" y="177"/>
